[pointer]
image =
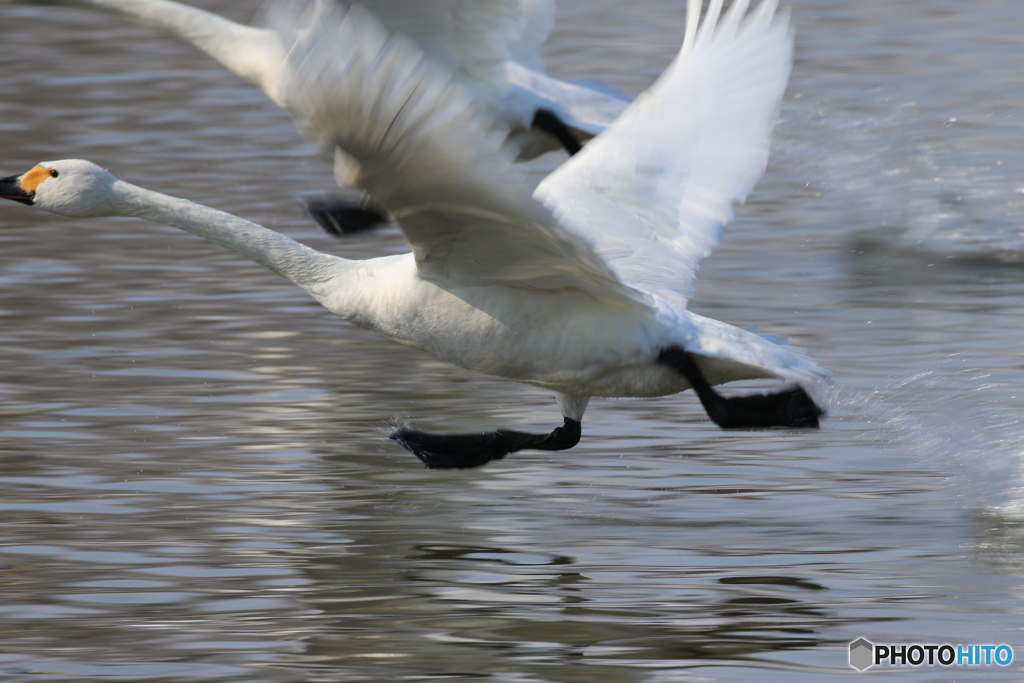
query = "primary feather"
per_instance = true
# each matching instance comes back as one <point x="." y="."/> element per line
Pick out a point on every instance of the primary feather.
<point x="652" y="193"/>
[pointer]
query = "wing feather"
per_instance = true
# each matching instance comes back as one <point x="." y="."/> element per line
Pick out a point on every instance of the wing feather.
<point x="433" y="160"/>
<point x="651" y="194"/>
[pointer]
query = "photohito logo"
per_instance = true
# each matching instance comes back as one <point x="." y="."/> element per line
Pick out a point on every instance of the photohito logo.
<point x="864" y="654"/>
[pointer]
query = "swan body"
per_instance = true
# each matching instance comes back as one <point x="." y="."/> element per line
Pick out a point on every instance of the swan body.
<point x="491" y="46"/>
<point x="577" y="344"/>
<point x="580" y="288"/>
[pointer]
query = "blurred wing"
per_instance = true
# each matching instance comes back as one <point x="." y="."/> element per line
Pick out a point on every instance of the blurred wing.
<point x="652" y="193"/>
<point x="432" y="160"/>
<point x="536" y="19"/>
<point x="470" y="38"/>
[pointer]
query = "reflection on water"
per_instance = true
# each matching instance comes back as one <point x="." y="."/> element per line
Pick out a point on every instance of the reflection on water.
<point x="195" y="480"/>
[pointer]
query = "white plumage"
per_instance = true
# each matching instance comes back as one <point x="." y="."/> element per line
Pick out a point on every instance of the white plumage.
<point x="549" y="289"/>
<point x="652" y="195"/>
<point x="492" y="47"/>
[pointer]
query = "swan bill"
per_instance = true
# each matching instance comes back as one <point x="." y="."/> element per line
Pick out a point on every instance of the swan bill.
<point x="11" y="188"/>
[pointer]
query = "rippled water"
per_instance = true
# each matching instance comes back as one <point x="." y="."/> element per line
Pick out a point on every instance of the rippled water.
<point x="195" y="483"/>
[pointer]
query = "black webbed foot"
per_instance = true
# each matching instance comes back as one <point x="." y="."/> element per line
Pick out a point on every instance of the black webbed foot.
<point x="461" y="451"/>
<point x="339" y="215"/>
<point x="787" y="408"/>
<point x="548" y="121"/>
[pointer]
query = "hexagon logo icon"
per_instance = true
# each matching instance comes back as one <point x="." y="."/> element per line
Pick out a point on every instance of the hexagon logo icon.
<point x="862" y="654"/>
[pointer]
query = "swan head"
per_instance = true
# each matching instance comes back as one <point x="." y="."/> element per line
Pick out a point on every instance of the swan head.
<point x="71" y="187"/>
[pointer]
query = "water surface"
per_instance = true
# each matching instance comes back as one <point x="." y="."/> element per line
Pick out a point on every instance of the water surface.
<point x="195" y="483"/>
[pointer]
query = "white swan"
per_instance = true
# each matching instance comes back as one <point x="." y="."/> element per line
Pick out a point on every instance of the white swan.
<point x="581" y="288"/>
<point x="492" y="47"/>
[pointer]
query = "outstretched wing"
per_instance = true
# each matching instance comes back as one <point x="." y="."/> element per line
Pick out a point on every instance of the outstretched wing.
<point x="432" y="160"/>
<point x="651" y="194"/>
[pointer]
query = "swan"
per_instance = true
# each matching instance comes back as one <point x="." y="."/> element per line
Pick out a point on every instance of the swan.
<point x="491" y="46"/>
<point x="580" y="288"/>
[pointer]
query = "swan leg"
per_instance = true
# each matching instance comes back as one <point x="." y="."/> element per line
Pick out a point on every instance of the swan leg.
<point x="787" y="408"/>
<point x="461" y="451"/>
<point x="549" y="122"/>
<point x="340" y="215"/>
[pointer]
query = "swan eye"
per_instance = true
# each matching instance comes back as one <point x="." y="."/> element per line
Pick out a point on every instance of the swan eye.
<point x="54" y="173"/>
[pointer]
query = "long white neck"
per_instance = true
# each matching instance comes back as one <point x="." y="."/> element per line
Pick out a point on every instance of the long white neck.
<point x="308" y="268"/>
<point x="254" y="54"/>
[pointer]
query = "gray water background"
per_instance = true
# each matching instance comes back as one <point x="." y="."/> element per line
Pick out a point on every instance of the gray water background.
<point x="195" y="483"/>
